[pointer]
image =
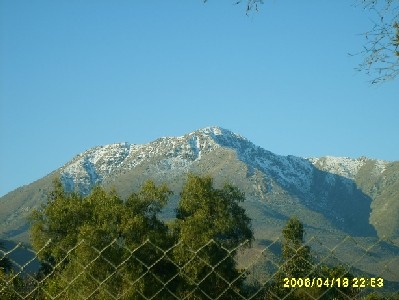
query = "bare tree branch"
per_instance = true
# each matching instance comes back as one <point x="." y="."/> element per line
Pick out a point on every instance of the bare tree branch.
<point x="252" y="5"/>
<point x="381" y="49"/>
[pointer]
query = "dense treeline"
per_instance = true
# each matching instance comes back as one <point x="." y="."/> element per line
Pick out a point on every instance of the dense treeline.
<point x="101" y="247"/>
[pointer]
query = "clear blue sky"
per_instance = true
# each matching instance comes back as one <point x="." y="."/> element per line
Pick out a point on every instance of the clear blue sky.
<point x="77" y="74"/>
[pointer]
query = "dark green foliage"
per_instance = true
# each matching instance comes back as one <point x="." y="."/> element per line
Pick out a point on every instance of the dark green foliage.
<point x="296" y="255"/>
<point x="298" y="264"/>
<point x="205" y="213"/>
<point x="335" y="292"/>
<point x="7" y="284"/>
<point x="379" y="296"/>
<point x="211" y="224"/>
<point x="92" y="239"/>
<point x="101" y="245"/>
<point x="5" y="263"/>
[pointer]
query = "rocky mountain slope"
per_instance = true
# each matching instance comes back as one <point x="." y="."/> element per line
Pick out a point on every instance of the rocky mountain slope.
<point x="333" y="196"/>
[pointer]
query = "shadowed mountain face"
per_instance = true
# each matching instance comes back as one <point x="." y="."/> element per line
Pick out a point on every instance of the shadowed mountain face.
<point x="358" y="197"/>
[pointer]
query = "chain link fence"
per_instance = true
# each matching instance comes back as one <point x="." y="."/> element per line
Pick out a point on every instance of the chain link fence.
<point x="344" y="268"/>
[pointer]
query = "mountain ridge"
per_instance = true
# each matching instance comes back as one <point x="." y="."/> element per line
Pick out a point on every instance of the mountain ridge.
<point x="323" y="185"/>
<point x="198" y="142"/>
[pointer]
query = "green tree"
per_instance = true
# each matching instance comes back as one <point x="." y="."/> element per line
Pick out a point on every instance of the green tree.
<point x="7" y="282"/>
<point x="5" y="263"/>
<point x="8" y="286"/>
<point x="342" y="292"/>
<point x="296" y="255"/>
<point x="299" y="263"/>
<point x="210" y="227"/>
<point x="100" y="245"/>
<point x="296" y="263"/>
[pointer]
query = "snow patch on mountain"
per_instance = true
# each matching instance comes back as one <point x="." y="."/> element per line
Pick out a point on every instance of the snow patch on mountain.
<point x="92" y="166"/>
<point x="380" y="166"/>
<point x="345" y="166"/>
<point x="290" y="171"/>
<point x="179" y="153"/>
<point x="175" y="153"/>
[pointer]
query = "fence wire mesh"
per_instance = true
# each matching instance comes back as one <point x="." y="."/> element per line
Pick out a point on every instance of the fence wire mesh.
<point x="345" y="268"/>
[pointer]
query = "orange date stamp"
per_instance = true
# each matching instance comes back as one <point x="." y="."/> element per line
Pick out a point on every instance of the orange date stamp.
<point x="356" y="282"/>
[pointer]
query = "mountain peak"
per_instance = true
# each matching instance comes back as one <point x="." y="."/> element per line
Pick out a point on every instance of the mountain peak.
<point x="213" y="130"/>
<point x="174" y="153"/>
<point x="217" y="131"/>
<point x="221" y="136"/>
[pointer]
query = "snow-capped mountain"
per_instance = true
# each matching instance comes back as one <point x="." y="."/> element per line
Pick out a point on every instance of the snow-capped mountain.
<point x="330" y="193"/>
<point x="98" y="164"/>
